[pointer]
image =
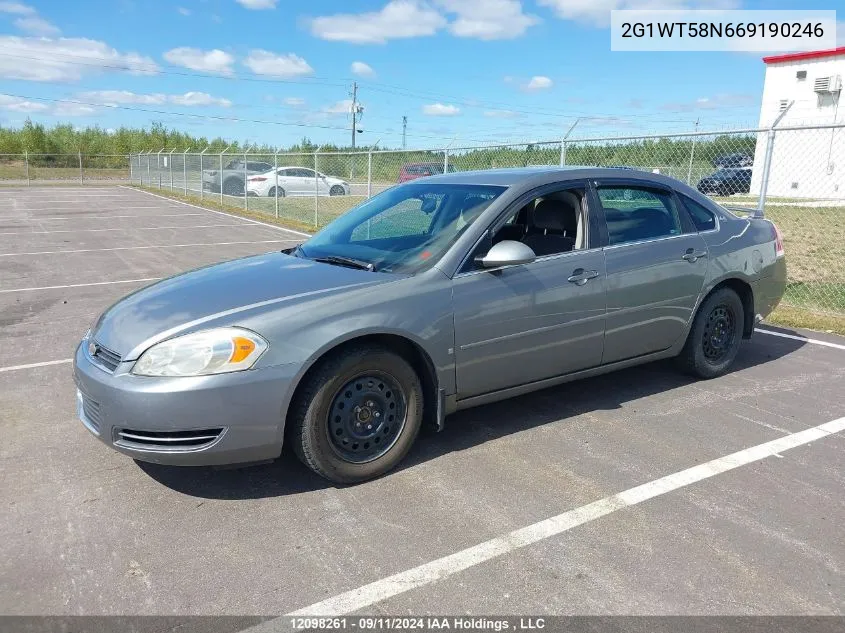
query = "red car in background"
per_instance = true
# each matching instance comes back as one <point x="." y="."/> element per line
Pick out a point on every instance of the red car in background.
<point x="412" y="171"/>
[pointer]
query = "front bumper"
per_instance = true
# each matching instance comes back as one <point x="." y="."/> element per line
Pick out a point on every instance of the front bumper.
<point x="192" y="421"/>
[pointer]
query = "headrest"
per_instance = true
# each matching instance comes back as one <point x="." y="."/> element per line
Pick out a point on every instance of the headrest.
<point x="557" y="214"/>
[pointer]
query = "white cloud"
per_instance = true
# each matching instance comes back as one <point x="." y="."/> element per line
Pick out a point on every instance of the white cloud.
<point x="213" y="61"/>
<point x="398" y="19"/>
<point x="16" y="104"/>
<point x="440" y="109"/>
<point x="362" y="70"/>
<point x="263" y="62"/>
<point x="501" y="114"/>
<point x="711" y="103"/>
<point x="122" y="97"/>
<point x="183" y="11"/>
<point x="597" y="12"/>
<point x="538" y="82"/>
<point x="37" y="26"/>
<point x="341" y="107"/>
<point x="199" y="99"/>
<point x="73" y="109"/>
<point x="294" y="102"/>
<point x="16" y="8"/>
<point x="125" y="97"/>
<point x="64" y="59"/>
<point x="488" y="19"/>
<point x="256" y="5"/>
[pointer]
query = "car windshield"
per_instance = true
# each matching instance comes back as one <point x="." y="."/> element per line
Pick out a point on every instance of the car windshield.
<point x="403" y="229"/>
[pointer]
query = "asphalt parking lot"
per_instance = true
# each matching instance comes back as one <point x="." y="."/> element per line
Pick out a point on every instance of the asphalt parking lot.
<point x="86" y="530"/>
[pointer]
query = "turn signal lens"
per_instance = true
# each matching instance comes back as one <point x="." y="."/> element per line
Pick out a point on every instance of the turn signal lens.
<point x="217" y="351"/>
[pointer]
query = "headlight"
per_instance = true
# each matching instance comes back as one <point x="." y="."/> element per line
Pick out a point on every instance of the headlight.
<point x="216" y="351"/>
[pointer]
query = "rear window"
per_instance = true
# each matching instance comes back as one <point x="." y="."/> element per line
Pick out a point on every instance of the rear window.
<point x="703" y="218"/>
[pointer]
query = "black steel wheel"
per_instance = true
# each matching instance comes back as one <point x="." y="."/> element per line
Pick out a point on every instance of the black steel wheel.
<point x="356" y="413"/>
<point x="366" y="417"/>
<point x="715" y="335"/>
<point x="719" y="333"/>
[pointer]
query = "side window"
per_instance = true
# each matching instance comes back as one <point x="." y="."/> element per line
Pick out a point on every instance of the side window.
<point x="703" y="218"/>
<point x="638" y="213"/>
<point x="551" y="224"/>
<point x="409" y="217"/>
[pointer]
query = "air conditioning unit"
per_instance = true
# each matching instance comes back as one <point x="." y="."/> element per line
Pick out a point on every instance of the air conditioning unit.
<point x="828" y="85"/>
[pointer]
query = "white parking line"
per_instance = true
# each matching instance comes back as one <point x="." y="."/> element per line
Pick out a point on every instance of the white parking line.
<point x="94" y="283"/>
<point x="19" y="207"/>
<point x="127" y="228"/>
<point x="441" y="568"/>
<point x="814" y="341"/>
<point x="138" y="248"/>
<point x="34" y="365"/>
<point x="231" y="215"/>
<point x="108" y="217"/>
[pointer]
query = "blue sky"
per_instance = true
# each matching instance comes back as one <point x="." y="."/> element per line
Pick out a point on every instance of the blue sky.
<point x="462" y="71"/>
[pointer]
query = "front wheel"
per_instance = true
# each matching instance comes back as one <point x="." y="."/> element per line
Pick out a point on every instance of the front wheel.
<point x="337" y="190"/>
<point x="357" y="414"/>
<point x="715" y="336"/>
<point x="233" y="187"/>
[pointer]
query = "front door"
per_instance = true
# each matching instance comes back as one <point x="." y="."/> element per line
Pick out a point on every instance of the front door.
<point x="521" y="324"/>
<point x="656" y="268"/>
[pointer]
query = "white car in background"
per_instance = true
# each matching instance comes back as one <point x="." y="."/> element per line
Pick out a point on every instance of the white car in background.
<point x="295" y="181"/>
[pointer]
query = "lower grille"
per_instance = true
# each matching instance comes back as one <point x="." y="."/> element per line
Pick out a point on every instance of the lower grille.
<point x="89" y="413"/>
<point x="167" y="440"/>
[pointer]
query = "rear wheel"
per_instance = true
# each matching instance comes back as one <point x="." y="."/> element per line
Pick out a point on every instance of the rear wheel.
<point x="233" y="187"/>
<point x="713" y="341"/>
<point x="357" y="414"/>
<point x="273" y="190"/>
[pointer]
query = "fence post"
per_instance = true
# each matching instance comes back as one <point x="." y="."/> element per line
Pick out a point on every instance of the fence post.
<point x="369" y="174"/>
<point x="691" y="158"/>
<point x="316" y="191"/>
<point x="202" y="179"/>
<point x="221" y="177"/>
<point x="158" y="166"/>
<point x="170" y="166"/>
<point x="81" y="172"/>
<point x="185" y="170"/>
<point x="767" y="163"/>
<point x="446" y="161"/>
<point x="246" y="201"/>
<point x="276" y="181"/>
<point x="149" y="170"/>
<point x="26" y="162"/>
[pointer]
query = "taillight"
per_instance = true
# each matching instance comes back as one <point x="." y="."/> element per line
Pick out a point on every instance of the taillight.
<point x="256" y="179"/>
<point x="778" y="242"/>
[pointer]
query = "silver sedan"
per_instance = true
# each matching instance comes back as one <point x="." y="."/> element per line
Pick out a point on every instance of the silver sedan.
<point x="436" y="295"/>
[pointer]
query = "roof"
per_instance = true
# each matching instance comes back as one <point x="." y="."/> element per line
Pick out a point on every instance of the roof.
<point x="509" y="176"/>
<point x="794" y="57"/>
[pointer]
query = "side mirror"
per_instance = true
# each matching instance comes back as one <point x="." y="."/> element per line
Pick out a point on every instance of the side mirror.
<point x="507" y="253"/>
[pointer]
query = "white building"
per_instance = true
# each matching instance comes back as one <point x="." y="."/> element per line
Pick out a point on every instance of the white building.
<point x="805" y="163"/>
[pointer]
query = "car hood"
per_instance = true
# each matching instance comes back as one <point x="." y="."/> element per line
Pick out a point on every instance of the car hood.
<point x="190" y="301"/>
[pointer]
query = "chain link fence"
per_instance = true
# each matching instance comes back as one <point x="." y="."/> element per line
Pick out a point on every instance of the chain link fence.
<point x="795" y="175"/>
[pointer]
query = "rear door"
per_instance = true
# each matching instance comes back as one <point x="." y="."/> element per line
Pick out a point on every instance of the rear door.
<point x="656" y="267"/>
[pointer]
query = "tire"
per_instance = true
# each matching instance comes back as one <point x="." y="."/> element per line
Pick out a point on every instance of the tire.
<point x="272" y="192"/>
<point x="337" y="190"/>
<point x="233" y="187"/>
<point x="715" y="336"/>
<point x="360" y="385"/>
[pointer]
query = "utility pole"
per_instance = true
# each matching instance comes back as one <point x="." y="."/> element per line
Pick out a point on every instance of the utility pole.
<point x="355" y="111"/>
<point x="404" y="130"/>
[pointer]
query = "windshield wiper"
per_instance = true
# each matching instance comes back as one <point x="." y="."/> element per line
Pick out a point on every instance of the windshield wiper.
<point x="346" y="261"/>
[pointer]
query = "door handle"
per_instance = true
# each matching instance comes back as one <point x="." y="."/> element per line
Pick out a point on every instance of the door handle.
<point x="580" y="276"/>
<point x="691" y="256"/>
